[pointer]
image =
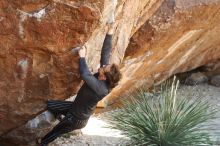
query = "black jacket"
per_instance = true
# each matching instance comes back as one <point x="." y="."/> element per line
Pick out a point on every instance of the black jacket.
<point x="93" y="90"/>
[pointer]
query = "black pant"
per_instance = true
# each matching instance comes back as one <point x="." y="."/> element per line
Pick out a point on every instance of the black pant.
<point x="59" y="107"/>
<point x="68" y="124"/>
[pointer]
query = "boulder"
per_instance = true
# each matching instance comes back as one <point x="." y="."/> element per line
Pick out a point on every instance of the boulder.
<point x="196" y="78"/>
<point x="215" y="81"/>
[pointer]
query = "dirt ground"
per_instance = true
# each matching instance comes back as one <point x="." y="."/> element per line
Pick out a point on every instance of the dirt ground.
<point x="96" y="133"/>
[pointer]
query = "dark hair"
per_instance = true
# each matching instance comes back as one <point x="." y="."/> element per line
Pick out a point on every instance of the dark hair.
<point x="113" y="76"/>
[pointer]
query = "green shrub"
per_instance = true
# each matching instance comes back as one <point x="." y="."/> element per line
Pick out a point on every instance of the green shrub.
<point x="163" y="119"/>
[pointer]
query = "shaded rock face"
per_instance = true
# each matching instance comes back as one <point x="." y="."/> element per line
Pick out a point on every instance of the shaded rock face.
<point x="154" y="39"/>
<point x="28" y="133"/>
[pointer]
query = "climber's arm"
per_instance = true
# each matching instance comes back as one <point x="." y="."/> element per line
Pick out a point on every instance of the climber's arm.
<point x="107" y="47"/>
<point x="88" y="77"/>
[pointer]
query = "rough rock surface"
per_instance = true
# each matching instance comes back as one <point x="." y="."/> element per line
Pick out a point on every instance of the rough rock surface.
<point x="182" y="35"/>
<point x="36" y="38"/>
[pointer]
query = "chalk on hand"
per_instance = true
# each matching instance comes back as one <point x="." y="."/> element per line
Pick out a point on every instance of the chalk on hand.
<point x="75" y="50"/>
<point x="112" y="9"/>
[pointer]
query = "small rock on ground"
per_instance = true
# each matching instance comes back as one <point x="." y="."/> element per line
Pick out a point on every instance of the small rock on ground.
<point x="215" y="81"/>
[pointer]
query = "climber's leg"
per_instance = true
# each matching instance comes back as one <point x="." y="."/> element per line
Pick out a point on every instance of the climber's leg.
<point x="68" y="124"/>
<point x="59" y="107"/>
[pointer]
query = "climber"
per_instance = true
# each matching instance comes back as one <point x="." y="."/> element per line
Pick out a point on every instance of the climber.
<point x="95" y="87"/>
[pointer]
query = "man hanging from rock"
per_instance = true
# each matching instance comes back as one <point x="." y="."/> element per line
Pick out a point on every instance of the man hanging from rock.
<point x="95" y="87"/>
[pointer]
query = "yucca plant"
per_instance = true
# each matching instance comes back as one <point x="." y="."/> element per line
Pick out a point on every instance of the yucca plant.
<point x="163" y="119"/>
